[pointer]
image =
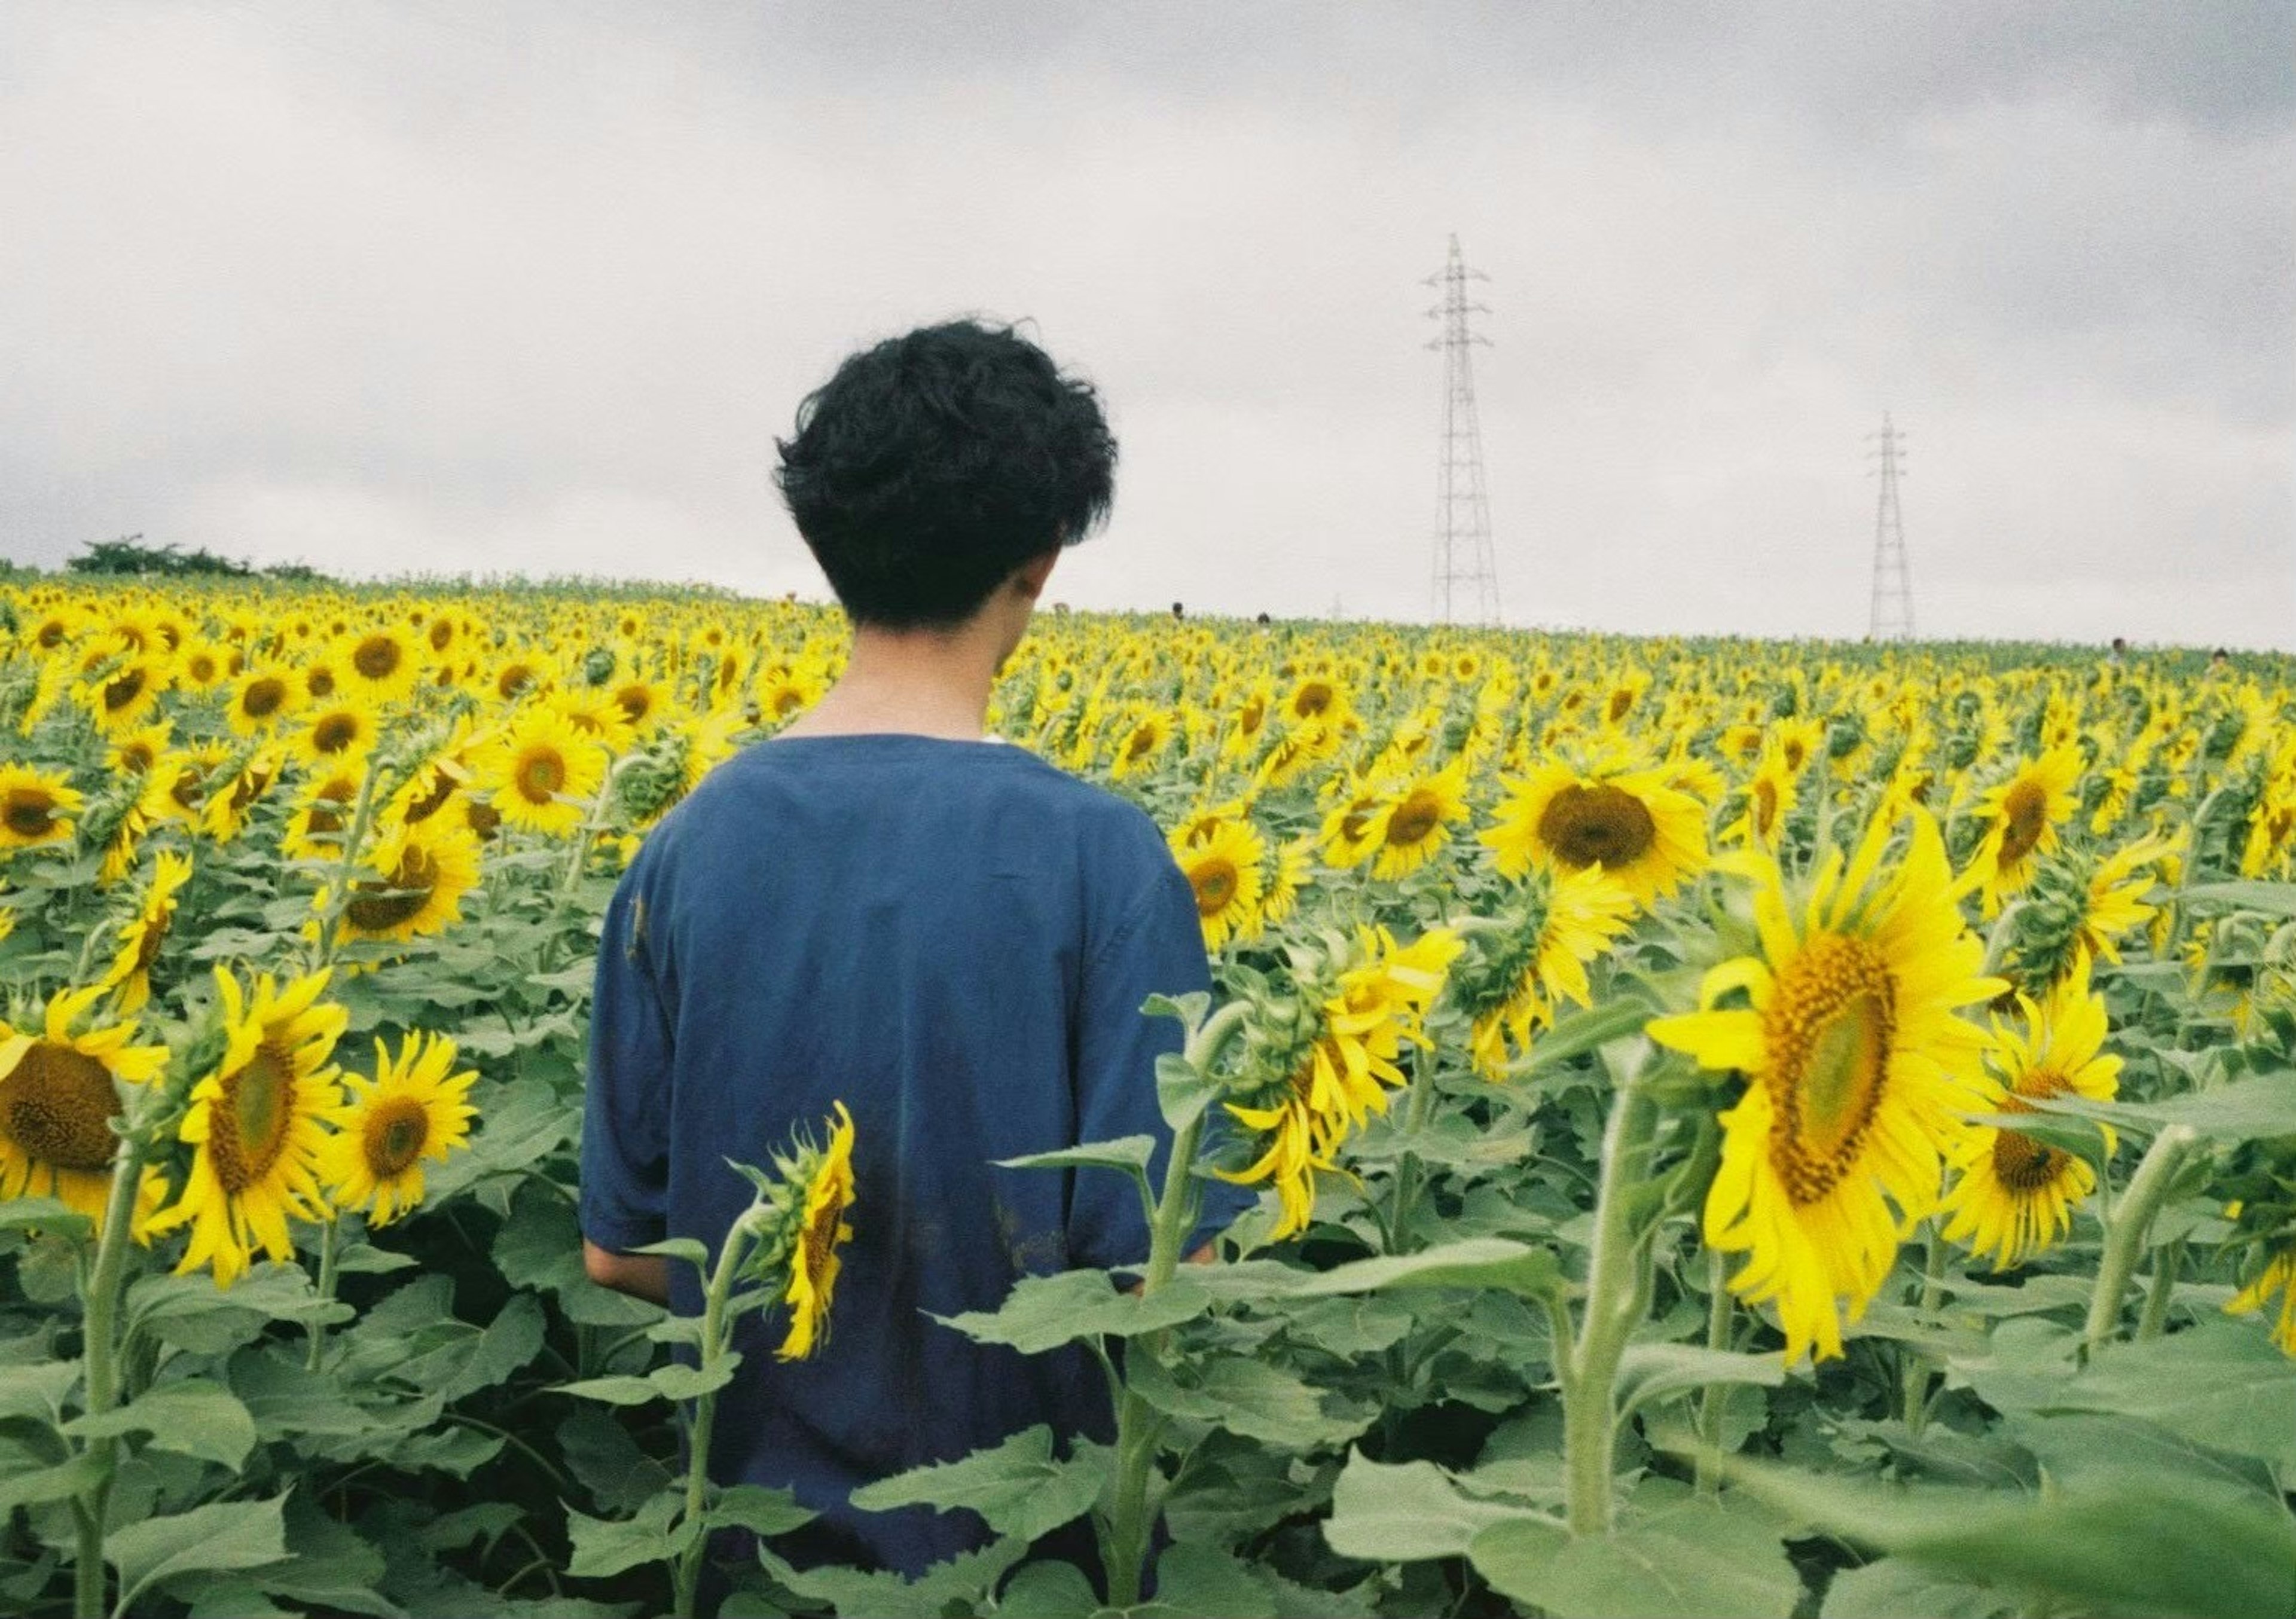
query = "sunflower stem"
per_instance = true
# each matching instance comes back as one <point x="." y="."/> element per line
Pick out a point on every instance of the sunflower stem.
<point x="99" y="1354"/>
<point x="339" y="898"/>
<point x="1131" y="1515"/>
<point x="2126" y="1227"/>
<point x="1610" y="1316"/>
<point x="2167" y="1260"/>
<point x="327" y="1256"/>
<point x="716" y="1336"/>
<point x="592" y="824"/>
<point x="1914" y="1374"/>
<point x="1713" y="1400"/>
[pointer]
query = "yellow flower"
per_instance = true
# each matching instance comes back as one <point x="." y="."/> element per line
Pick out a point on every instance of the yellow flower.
<point x="258" y="1124"/>
<point x="379" y="666"/>
<point x="260" y="698"/>
<point x="540" y="770"/>
<point x="814" y="1263"/>
<point x="2015" y="1196"/>
<point x="1285" y="877"/>
<point x="2278" y="1276"/>
<point x="140" y="938"/>
<point x="36" y="807"/>
<point x="59" y="1095"/>
<point x="2022" y="815"/>
<point x="1646" y="837"/>
<point x="1410" y="828"/>
<point x="415" y="881"/>
<point x="1223" y="870"/>
<point x="412" y="1110"/>
<point x="1579" y="917"/>
<point x="341" y="733"/>
<point x="1858" y="1069"/>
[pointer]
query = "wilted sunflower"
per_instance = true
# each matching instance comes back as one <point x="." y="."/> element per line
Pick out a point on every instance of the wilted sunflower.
<point x="1858" y="1070"/>
<point x="2021" y="816"/>
<point x="814" y="1263"/>
<point x="58" y="1098"/>
<point x="1541" y="963"/>
<point x="2015" y="1195"/>
<point x="144" y="932"/>
<point x="539" y="772"/>
<point x="1223" y="868"/>
<point x="1413" y="824"/>
<point x="2277" y="1276"/>
<point x="1647" y="837"/>
<point x="413" y="1109"/>
<point x="412" y="883"/>
<point x="36" y="807"/>
<point x="258" y="1124"/>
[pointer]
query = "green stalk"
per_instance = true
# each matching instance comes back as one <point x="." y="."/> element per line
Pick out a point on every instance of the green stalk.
<point x="1614" y="1307"/>
<point x="1131" y="1518"/>
<point x="714" y="1332"/>
<point x="327" y="1245"/>
<point x="1714" y="1398"/>
<point x="1406" y="1171"/>
<point x="1915" y="1371"/>
<point x="361" y="818"/>
<point x="2165" y="1264"/>
<point x="2126" y="1226"/>
<point x="99" y="1351"/>
<point x="592" y="824"/>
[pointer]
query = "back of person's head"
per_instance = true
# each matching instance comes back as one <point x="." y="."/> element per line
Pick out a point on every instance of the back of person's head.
<point x="932" y="466"/>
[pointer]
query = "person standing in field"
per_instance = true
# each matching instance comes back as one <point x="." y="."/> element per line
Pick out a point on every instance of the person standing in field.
<point x="884" y="907"/>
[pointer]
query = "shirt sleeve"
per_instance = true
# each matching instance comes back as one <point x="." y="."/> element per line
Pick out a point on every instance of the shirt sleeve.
<point x="1157" y="950"/>
<point x="625" y="1103"/>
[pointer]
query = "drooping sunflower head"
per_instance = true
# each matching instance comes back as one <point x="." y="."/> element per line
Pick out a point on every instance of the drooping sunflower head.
<point x="58" y="1097"/>
<point x="257" y="1123"/>
<point x="1517" y="974"/>
<point x="1223" y="869"/>
<point x="1648" y="837"/>
<point x="36" y="807"/>
<point x="2015" y="1193"/>
<point x="1859" y="1067"/>
<point x="415" y="1107"/>
<point x="1286" y="874"/>
<point x="144" y="931"/>
<point x="822" y="1230"/>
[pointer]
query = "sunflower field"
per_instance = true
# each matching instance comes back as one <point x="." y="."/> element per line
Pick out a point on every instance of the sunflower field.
<point x="1743" y="1128"/>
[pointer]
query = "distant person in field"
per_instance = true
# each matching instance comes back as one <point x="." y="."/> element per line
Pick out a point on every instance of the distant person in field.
<point x="884" y="907"/>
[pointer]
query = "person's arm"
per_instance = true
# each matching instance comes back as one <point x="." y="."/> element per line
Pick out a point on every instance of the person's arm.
<point x="624" y="1201"/>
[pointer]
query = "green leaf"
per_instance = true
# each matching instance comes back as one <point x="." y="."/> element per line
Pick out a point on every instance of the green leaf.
<point x="2267" y="899"/>
<point x="1044" y="1312"/>
<point x="2134" y="1544"/>
<point x="599" y="1452"/>
<point x="1478" y="1261"/>
<point x="604" y="1547"/>
<point x="2260" y="1108"/>
<point x="201" y="1419"/>
<point x="1892" y="1588"/>
<point x="220" y="1535"/>
<point x="1016" y="1487"/>
<point x="1697" y="1560"/>
<point x="962" y="1582"/>
<point x="1252" y="1398"/>
<point x="1406" y="1513"/>
<point x="2221" y="1385"/>
<point x="43" y="1214"/>
<point x="512" y="1339"/>
<point x="1653" y="1371"/>
<point x="673" y="1380"/>
<point x="1047" y="1589"/>
<point x="1206" y="1583"/>
<point x="37" y="1389"/>
<point x="1126" y="1152"/>
<point x="756" y="1509"/>
<point x="687" y="1249"/>
<point x="1182" y="1094"/>
<point x="76" y="1477"/>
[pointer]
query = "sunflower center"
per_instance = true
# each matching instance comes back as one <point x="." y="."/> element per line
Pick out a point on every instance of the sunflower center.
<point x="258" y="1106"/>
<point x="636" y="703"/>
<point x="513" y="679"/>
<point x="821" y="1235"/>
<point x="394" y="1136"/>
<point x="788" y="700"/>
<point x="1621" y="701"/>
<point x="138" y="757"/>
<point x="1603" y="825"/>
<point x="378" y="657"/>
<point x="122" y="694"/>
<point x="1312" y="699"/>
<point x="442" y="635"/>
<point x="2024" y="817"/>
<point x="1828" y="1030"/>
<point x="30" y="812"/>
<point x="58" y="1105"/>
<point x="377" y="907"/>
<point x="335" y="733"/>
<point x="1143" y="740"/>
<point x="442" y="788"/>
<point x="540" y="774"/>
<point x="1215" y="882"/>
<point x="320" y="683"/>
<point x="263" y="698"/>
<point x="147" y="947"/>
<point x="1414" y="819"/>
<point x="1765" y="804"/>
<point x="2020" y="1163"/>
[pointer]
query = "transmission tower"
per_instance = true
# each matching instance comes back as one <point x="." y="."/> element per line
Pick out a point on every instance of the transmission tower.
<point x="1892" y="617"/>
<point x="1466" y="576"/>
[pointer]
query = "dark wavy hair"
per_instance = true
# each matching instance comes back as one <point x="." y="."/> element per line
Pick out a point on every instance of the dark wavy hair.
<point x="932" y="465"/>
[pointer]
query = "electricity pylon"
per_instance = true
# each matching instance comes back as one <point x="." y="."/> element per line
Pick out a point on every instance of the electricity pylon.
<point x="1892" y="617"/>
<point x="1466" y="575"/>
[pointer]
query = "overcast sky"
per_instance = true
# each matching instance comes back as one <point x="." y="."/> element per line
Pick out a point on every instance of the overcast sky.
<point x="529" y="288"/>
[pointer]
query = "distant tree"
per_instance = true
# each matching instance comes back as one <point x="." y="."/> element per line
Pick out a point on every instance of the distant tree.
<point x="129" y="555"/>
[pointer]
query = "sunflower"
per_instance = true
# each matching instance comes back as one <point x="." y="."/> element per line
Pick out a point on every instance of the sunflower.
<point x="412" y="1110"/>
<point x="1769" y="799"/>
<point x="133" y="753"/>
<point x="124" y="698"/>
<point x="257" y="1124"/>
<point x="643" y="703"/>
<point x="2021" y="816"/>
<point x="1411" y="827"/>
<point x="1286" y="875"/>
<point x="339" y="732"/>
<point x="2015" y="1195"/>
<point x="379" y="666"/>
<point x="814" y="1263"/>
<point x="320" y="820"/>
<point x="59" y="1096"/>
<point x="36" y="807"/>
<point x="202" y="667"/>
<point x="260" y="698"/>
<point x="2277" y="1276"/>
<point x="143" y="933"/>
<point x="1543" y="963"/>
<point x="2117" y="887"/>
<point x="539" y="772"/>
<point x="1138" y="741"/>
<point x="1224" y="869"/>
<point x="228" y="808"/>
<point x="1647" y="837"/>
<point x="420" y="874"/>
<point x="1858" y="1067"/>
<point x="1350" y="832"/>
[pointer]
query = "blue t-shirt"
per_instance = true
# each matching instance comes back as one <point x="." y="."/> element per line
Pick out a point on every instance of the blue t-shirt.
<point x="954" y="939"/>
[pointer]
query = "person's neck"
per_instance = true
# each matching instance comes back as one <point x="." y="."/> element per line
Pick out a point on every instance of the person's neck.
<point x="921" y="682"/>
